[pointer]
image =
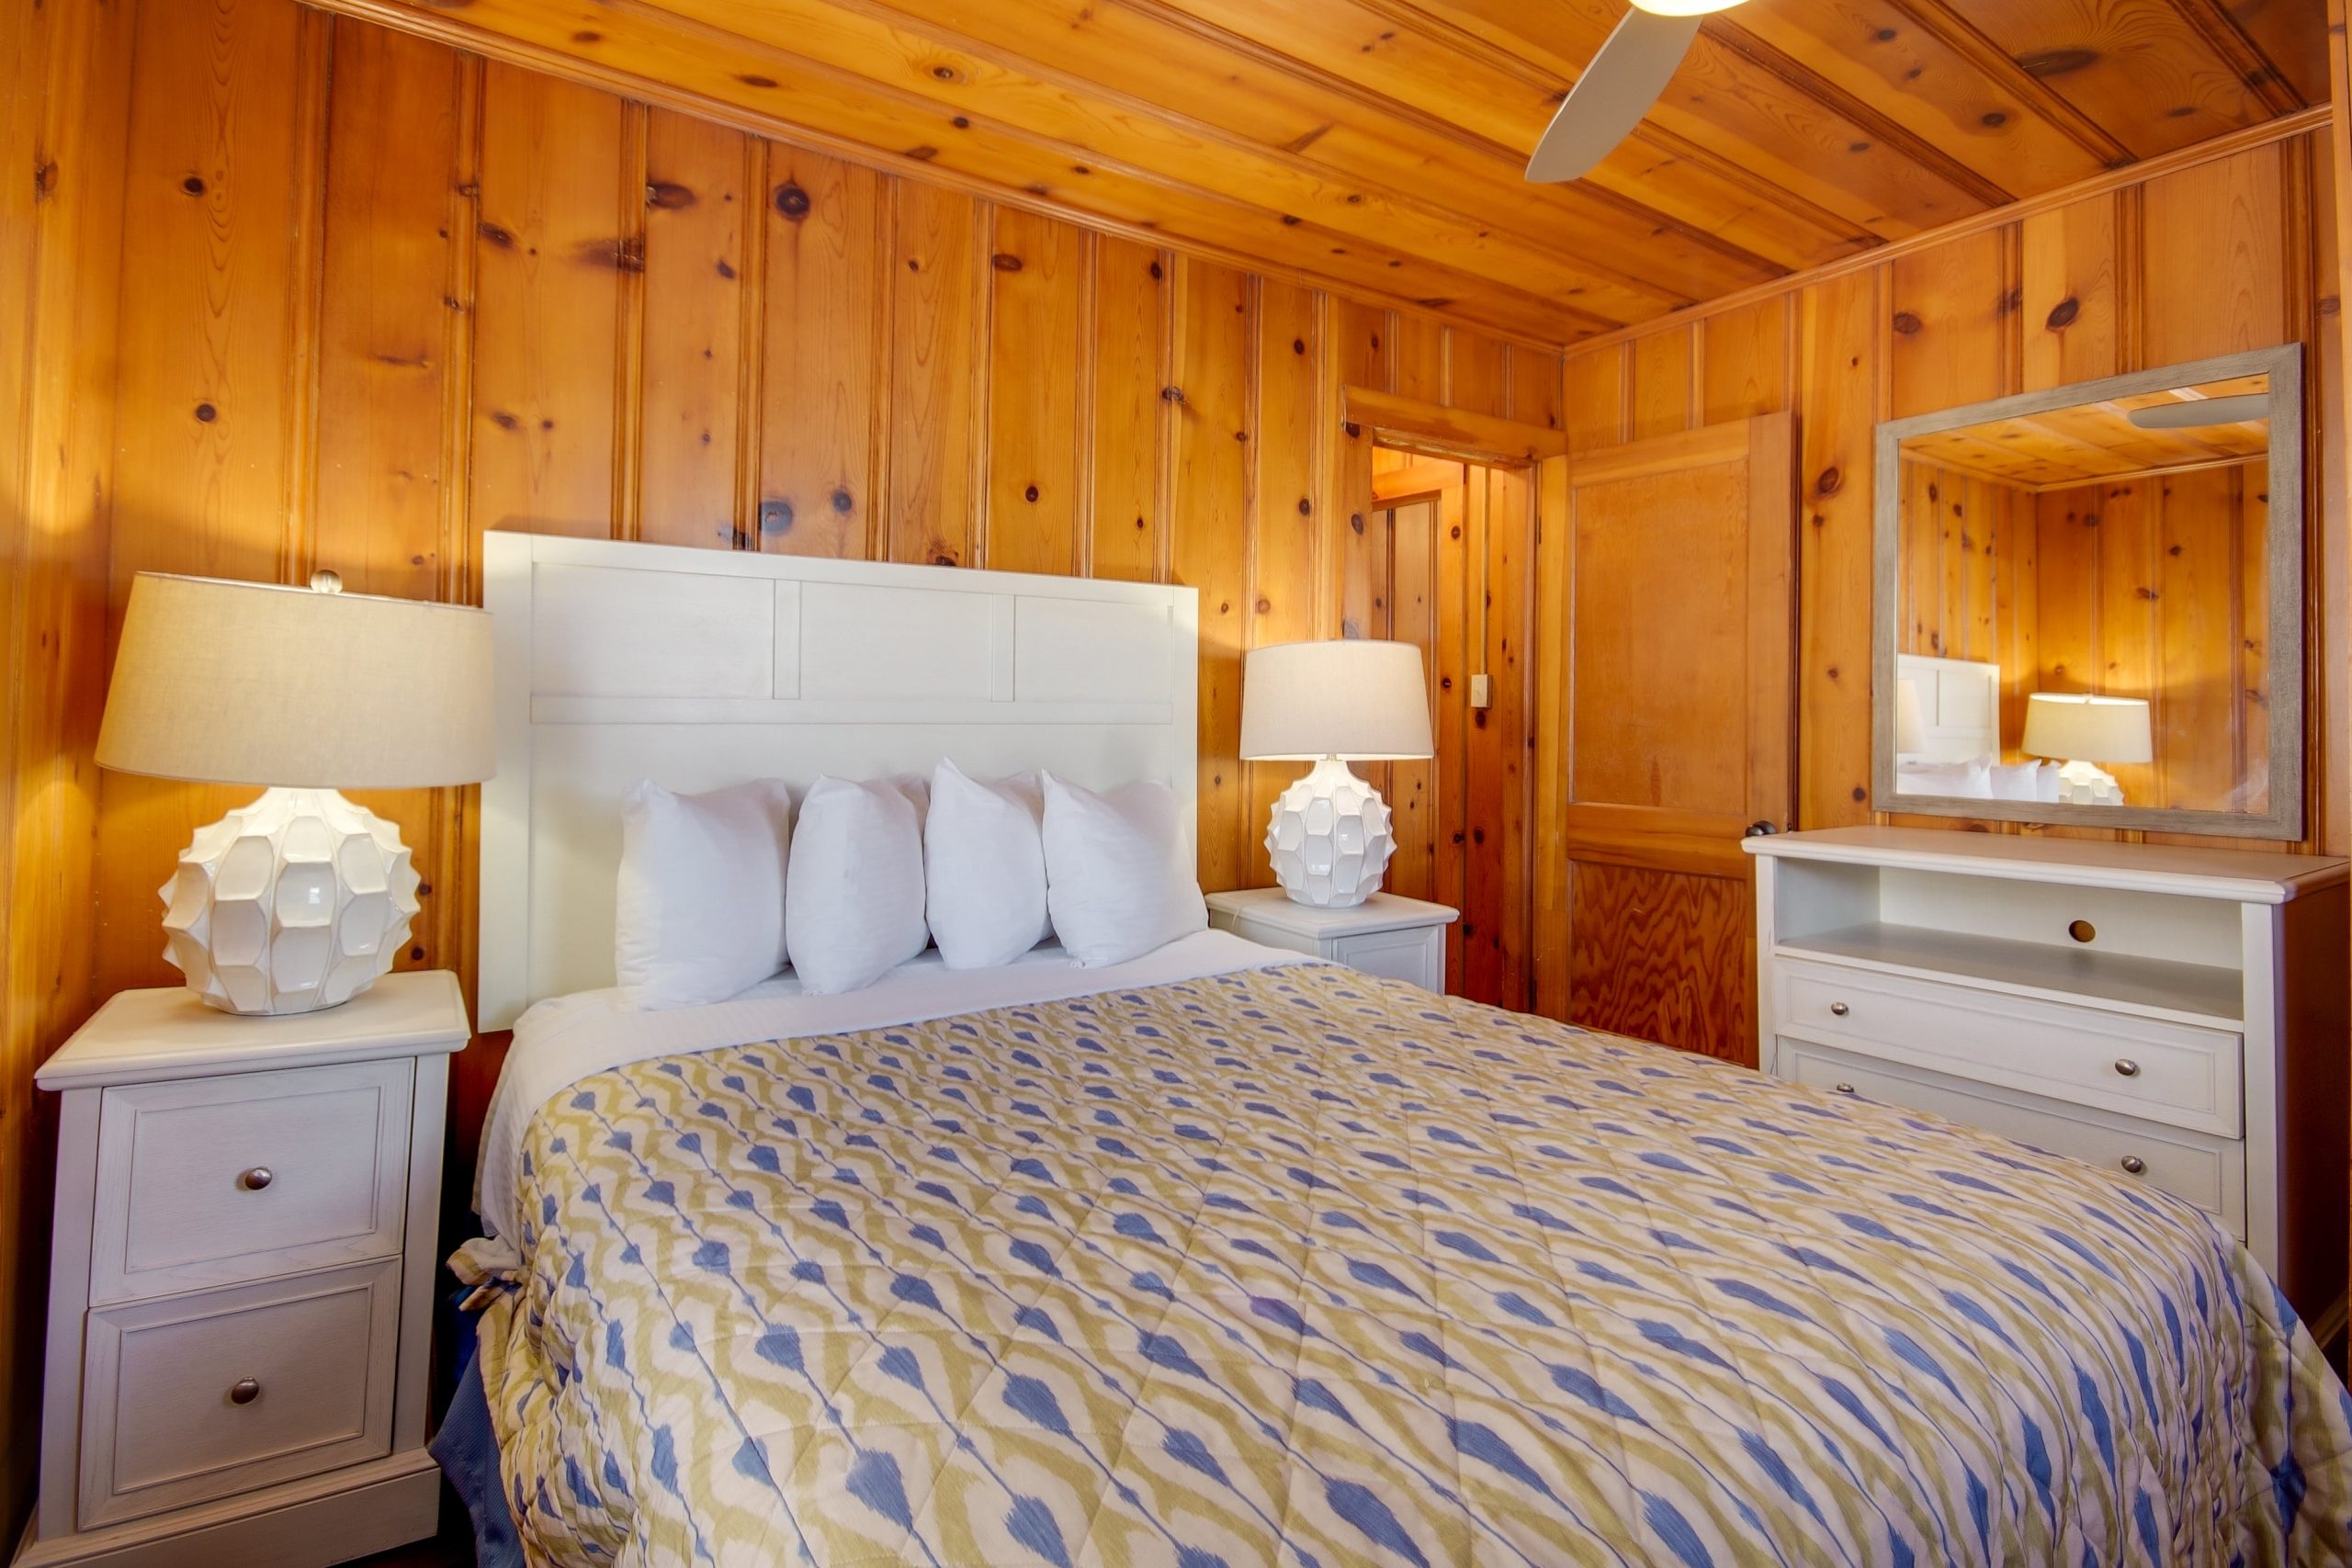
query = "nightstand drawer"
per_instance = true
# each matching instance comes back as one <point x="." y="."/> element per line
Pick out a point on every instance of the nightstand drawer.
<point x="2208" y="1172"/>
<point x="2138" y="1066"/>
<point x="207" y="1181"/>
<point x="204" y="1395"/>
<point x="1416" y="957"/>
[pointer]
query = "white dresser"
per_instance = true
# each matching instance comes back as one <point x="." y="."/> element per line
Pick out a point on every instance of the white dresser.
<point x="241" y="1280"/>
<point x="1398" y="938"/>
<point x="2176" y="1015"/>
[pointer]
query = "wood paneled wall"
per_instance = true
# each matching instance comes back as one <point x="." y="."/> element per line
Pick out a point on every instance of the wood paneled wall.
<point x="404" y="294"/>
<point x="63" y="77"/>
<point x="2234" y="252"/>
<point x="2230" y="254"/>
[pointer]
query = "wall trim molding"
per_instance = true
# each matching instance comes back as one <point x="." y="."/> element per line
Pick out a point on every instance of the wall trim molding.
<point x="2286" y="128"/>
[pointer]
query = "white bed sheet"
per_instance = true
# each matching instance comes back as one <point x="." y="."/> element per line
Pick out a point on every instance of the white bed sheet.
<point x="565" y="1039"/>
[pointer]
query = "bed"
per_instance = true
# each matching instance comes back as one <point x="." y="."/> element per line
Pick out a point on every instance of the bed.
<point x="1228" y="1257"/>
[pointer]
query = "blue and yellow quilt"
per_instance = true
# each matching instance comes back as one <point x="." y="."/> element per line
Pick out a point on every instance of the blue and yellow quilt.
<point x="1297" y="1266"/>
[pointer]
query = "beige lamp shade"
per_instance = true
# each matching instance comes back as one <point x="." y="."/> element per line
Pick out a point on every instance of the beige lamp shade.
<point x="1355" y="699"/>
<point x="254" y="684"/>
<point x="2074" y="727"/>
<point x="1910" y="718"/>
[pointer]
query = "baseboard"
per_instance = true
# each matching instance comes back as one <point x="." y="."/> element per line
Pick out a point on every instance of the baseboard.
<point x="311" y="1523"/>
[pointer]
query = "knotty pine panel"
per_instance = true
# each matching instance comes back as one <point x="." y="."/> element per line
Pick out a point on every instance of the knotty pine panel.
<point x="822" y="385"/>
<point x="1130" y="347"/>
<point x="937" y="401"/>
<point x="64" y="81"/>
<point x="698" y="197"/>
<point x="1037" y="393"/>
<point x="553" y="244"/>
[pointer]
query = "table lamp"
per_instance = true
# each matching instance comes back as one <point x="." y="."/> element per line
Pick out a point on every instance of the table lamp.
<point x="2085" y="731"/>
<point x="1328" y="703"/>
<point x="301" y="899"/>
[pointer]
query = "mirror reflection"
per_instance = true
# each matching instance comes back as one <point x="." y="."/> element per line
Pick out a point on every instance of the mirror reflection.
<point x="2082" y="599"/>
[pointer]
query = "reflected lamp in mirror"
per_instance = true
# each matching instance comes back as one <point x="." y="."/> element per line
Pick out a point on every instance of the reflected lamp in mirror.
<point x="1330" y="702"/>
<point x="302" y="899"/>
<point x="1910" y="720"/>
<point x="2143" y="532"/>
<point x="2084" y="731"/>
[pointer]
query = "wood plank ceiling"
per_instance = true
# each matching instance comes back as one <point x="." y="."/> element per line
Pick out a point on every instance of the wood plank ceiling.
<point x="1376" y="145"/>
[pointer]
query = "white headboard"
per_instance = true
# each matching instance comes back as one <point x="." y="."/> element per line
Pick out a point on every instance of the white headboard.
<point x="699" y="668"/>
<point x="1960" y="702"/>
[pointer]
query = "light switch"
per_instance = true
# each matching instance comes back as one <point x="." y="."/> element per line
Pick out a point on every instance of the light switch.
<point x="1481" y="691"/>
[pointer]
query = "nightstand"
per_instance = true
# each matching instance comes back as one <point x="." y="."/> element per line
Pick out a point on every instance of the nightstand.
<point x="1398" y="939"/>
<point x="241" y="1280"/>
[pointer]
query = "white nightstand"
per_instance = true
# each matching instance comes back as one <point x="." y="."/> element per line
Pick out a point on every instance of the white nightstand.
<point x="240" y="1282"/>
<point x="1400" y="939"/>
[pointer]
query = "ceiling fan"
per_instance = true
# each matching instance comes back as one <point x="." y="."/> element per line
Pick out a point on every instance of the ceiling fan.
<point x="1618" y="88"/>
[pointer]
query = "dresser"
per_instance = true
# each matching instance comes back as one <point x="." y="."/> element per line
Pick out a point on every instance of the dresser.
<point x="1396" y="938"/>
<point x="241" y="1280"/>
<point x="2177" y="1016"/>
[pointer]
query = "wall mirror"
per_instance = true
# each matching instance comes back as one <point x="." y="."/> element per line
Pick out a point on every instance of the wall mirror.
<point x="2088" y="604"/>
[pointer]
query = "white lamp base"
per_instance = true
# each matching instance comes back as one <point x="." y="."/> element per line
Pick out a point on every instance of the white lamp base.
<point x="2087" y="783"/>
<point x="296" y="902"/>
<point x="1330" y="839"/>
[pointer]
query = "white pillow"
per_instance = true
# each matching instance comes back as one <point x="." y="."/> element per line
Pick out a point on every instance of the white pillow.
<point x="2015" y="780"/>
<point x="984" y="868"/>
<point x="1972" y="781"/>
<point x="698" y="911"/>
<point x="853" y="897"/>
<point x="1119" y="880"/>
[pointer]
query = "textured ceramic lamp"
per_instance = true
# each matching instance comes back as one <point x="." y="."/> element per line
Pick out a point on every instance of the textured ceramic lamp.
<point x="1328" y="703"/>
<point x="302" y="899"/>
<point x="2085" y="731"/>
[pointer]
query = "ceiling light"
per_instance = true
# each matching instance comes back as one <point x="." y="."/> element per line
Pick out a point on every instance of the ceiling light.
<point x="1683" y="7"/>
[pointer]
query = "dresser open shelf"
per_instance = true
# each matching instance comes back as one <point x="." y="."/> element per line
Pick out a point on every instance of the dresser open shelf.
<point x="2177" y="1016"/>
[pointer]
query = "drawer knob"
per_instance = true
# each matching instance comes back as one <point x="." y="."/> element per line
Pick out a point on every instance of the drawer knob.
<point x="2127" y="1068"/>
<point x="256" y="1179"/>
<point x="244" y="1391"/>
<point x="2135" y="1165"/>
<point x="1839" y="1010"/>
<point x="1845" y="1088"/>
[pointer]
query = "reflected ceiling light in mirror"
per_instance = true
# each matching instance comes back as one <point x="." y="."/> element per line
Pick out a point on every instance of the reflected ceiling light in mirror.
<point x="2196" y="412"/>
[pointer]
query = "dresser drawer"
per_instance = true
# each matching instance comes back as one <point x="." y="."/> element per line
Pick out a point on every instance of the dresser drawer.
<point x="2138" y="1066"/>
<point x="203" y="1395"/>
<point x="2206" y="1171"/>
<point x="207" y="1181"/>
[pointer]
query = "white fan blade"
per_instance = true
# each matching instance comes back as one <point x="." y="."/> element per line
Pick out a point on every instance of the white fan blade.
<point x="1615" y="91"/>
<point x="2197" y="412"/>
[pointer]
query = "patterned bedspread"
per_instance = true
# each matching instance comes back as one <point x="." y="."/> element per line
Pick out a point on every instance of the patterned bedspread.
<point x="1298" y="1267"/>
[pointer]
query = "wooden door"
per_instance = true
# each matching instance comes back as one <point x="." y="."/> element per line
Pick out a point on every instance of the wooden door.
<point x="1665" y="662"/>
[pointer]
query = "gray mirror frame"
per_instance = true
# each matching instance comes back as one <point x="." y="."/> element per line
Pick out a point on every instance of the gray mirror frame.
<point x="2284" y="365"/>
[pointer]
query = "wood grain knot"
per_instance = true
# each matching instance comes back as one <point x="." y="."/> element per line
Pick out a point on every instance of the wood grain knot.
<point x="2064" y="313"/>
<point x="1171" y="394"/>
<point x="1306" y="507"/>
<point x="1994" y="119"/>
<point x="1906" y="323"/>
<point x="1298" y="345"/>
<point x="586" y="36"/>
<point x="844" y="501"/>
<point x="495" y="235"/>
<point x="1030" y="494"/>
<point x="1830" y="482"/>
<point x="1355" y="520"/>
<point x="960" y="123"/>
<point x="1005" y="261"/>
<point x="792" y="201"/>
<point x="776" y="516"/>
<point x="946" y="73"/>
<point x="1158" y="272"/>
<point x="754" y="81"/>
<point x="668" y="195"/>
<point x="193" y="185"/>
<point x="206" y="413"/>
